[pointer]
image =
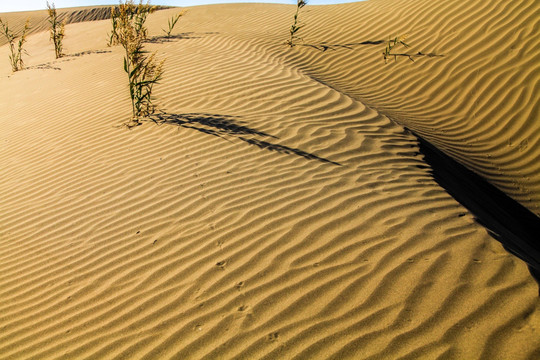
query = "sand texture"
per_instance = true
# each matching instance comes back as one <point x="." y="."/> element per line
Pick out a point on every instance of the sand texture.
<point x="39" y="19"/>
<point x="279" y="210"/>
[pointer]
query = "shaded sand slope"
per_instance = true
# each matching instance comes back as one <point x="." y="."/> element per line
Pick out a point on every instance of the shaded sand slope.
<point x="268" y="216"/>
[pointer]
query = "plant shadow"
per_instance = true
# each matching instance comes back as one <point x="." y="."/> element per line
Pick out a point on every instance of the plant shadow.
<point x="46" y="66"/>
<point x="227" y="126"/>
<point x="160" y="39"/>
<point x="324" y="46"/>
<point x="66" y="57"/>
<point x="88" y="52"/>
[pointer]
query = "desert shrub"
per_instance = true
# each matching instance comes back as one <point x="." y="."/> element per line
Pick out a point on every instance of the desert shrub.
<point x="16" y="47"/>
<point x="172" y="23"/>
<point x="135" y="13"/>
<point x="142" y="68"/>
<point x="57" y="30"/>
<point x="296" y="26"/>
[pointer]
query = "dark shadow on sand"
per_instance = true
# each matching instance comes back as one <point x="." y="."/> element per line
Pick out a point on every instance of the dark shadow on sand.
<point x="46" y="66"/>
<point x="64" y="58"/>
<point x="226" y="126"/>
<point x="88" y="52"/>
<point x="184" y="36"/>
<point x="324" y="46"/>
<point x="506" y="220"/>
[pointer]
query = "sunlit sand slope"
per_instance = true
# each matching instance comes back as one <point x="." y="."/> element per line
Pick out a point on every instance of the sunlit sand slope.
<point x="478" y="102"/>
<point x="38" y="20"/>
<point x="272" y="214"/>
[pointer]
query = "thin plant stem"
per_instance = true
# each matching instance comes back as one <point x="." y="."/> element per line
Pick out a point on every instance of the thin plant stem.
<point x="142" y="69"/>
<point x="296" y="26"/>
<point x="16" y="48"/>
<point x="57" y="30"/>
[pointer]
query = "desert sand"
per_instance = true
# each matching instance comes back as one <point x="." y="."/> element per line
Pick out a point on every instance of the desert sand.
<point x="283" y="208"/>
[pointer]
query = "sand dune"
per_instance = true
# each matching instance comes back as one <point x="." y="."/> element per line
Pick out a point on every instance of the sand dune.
<point x="280" y="210"/>
<point x="39" y="21"/>
<point x="478" y="103"/>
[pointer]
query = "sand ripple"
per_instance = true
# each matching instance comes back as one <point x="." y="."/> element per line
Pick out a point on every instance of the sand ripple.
<point x="277" y="211"/>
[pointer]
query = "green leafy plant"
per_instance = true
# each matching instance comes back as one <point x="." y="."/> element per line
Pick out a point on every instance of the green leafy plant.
<point x="142" y="68"/>
<point x="16" y="47"/>
<point x="57" y="30"/>
<point x="172" y="23"/>
<point x="296" y="26"/>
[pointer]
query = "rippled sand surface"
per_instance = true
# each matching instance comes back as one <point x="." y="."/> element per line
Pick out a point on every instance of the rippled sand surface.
<point x="279" y="210"/>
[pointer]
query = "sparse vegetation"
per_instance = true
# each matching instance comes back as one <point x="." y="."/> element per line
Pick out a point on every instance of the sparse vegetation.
<point x="143" y="69"/>
<point x="296" y="26"/>
<point x="137" y="14"/>
<point x="393" y="43"/>
<point x="172" y="23"/>
<point x="113" y="37"/>
<point x="16" y="47"/>
<point x="57" y="30"/>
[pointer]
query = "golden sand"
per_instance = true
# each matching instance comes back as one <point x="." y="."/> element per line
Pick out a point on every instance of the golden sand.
<point x="280" y="211"/>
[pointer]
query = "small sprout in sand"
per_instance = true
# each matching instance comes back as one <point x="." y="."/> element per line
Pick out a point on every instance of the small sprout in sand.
<point x="16" y="47"/>
<point x="143" y="70"/>
<point x="272" y="337"/>
<point x="221" y="264"/>
<point x="296" y="26"/>
<point x="391" y="44"/>
<point x="57" y="30"/>
<point x="172" y="23"/>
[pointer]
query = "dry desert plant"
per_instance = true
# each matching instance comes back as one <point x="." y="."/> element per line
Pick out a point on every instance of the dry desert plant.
<point x="296" y="26"/>
<point x="172" y="22"/>
<point x="137" y="14"/>
<point x="16" y="47"/>
<point x="143" y="69"/>
<point x="57" y="30"/>
<point x="113" y="37"/>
